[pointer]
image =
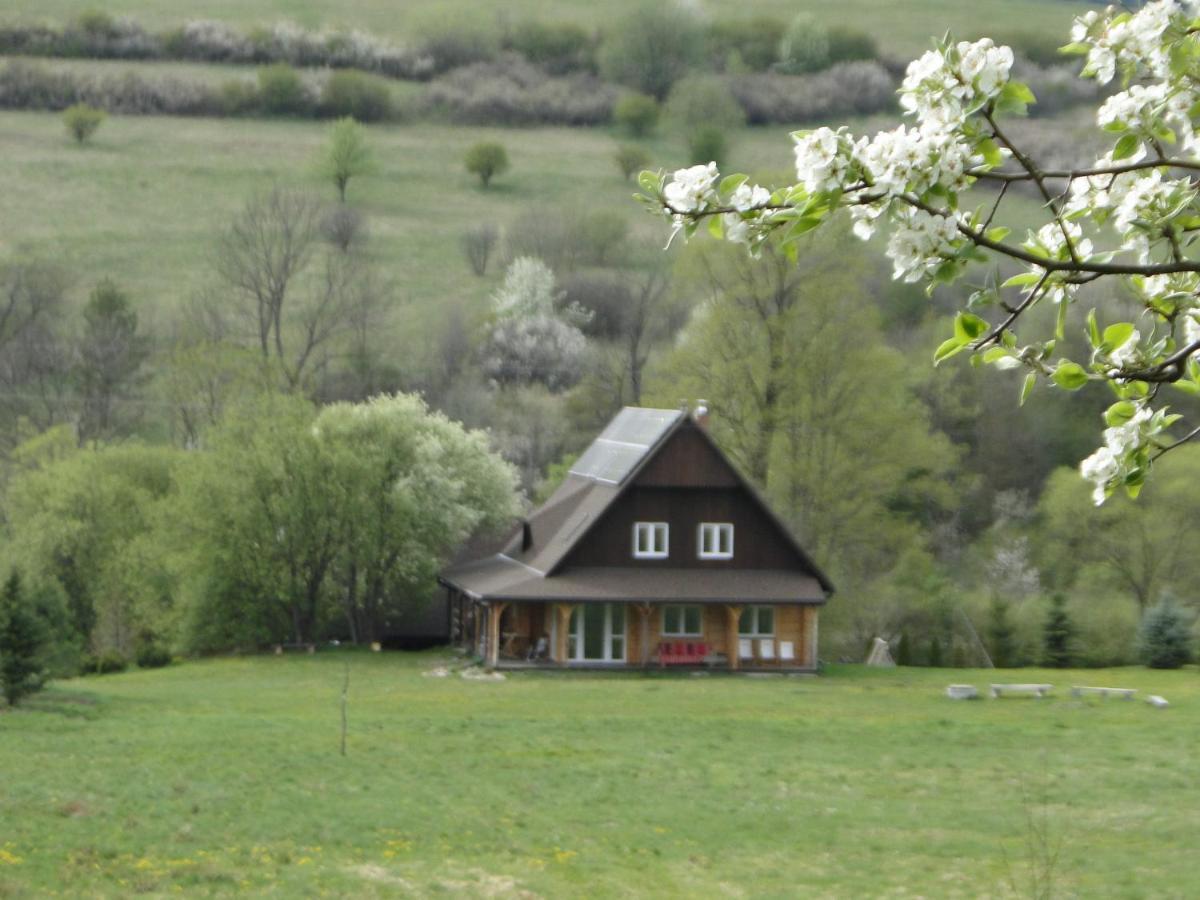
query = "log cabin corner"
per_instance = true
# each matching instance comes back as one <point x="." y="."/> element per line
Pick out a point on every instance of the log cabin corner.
<point x="653" y="552"/>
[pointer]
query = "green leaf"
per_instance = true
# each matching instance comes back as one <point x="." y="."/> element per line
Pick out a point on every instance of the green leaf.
<point x="947" y="349"/>
<point x="968" y="326"/>
<point x="1117" y="334"/>
<point x="997" y="234"/>
<point x="1070" y="376"/>
<point x="1093" y="328"/>
<point x="1119" y="413"/>
<point x="651" y="182"/>
<point x="991" y="152"/>
<point x="1126" y="147"/>
<point x="1022" y="280"/>
<point x="994" y="354"/>
<point x="731" y="183"/>
<point x="716" y="228"/>
<point x="1075" y="48"/>
<point x="1060" y="325"/>
<point x="1027" y="387"/>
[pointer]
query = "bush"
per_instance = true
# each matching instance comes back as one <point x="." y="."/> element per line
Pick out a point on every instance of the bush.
<point x="487" y="160"/>
<point x="636" y="113"/>
<point x="510" y="91"/>
<point x="565" y="239"/>
<point x="152" y="655"/>
<point x="348" y="92"/>
<point x="1164" y="638"/>
<point x="704" y="100"/>
<point x="25" y="86"/>
<point x="82" y="121"/>
<point x="857" y="88"/>
<point x="344" y="227"/>
<point x="451" y="45"/>
<point x="558" y="47"/>
<point x="745" y="44"/>
<point x="630" y="158"/>
<point x="239" y="97"/>
<point x="653" y="48"/>
<point x="804" y="46"/>
<point x="707" y="144"/>
<point x="1058" y="635"/>
<point x="849" y="45"/>
<point x="478" y="242"/>
<point x="281" y="91"/>
<point x="106" y="663"/>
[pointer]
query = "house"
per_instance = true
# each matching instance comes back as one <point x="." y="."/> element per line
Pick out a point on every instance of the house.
<point x="653" y="551"/>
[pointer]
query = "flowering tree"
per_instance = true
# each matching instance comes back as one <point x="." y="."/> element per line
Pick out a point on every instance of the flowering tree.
<point x="1131" y="216"/>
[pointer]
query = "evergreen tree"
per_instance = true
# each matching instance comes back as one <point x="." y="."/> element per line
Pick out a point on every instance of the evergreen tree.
<point x="1164" y="639"/>
<point x="20" y="644"/>
<point x="1002" y="644"/>
<point x="1057" y="636"/>
<point x="904" y="651"/>
<point x="935" y="652"/>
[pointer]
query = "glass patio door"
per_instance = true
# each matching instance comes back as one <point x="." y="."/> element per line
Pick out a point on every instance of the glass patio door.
<point x="597" y="633"/>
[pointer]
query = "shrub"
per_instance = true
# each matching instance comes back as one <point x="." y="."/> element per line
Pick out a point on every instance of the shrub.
<point x="557" y="47"/>
<point x="704" y="100"/>
<point x="753" y="44"/>
<point x="105" y="663"/>
<point x="706" y="144"/>
<point x="344" y="227"/>
<point x="487" y="160"/>
<point x="1058" y="635"/>
<point x="96" y="23"/>
<point x="82" y="121"/>
<point x="856" y="88"/>
<point x="804" y="46"/>
<point x="1164" y="638"/>
<point x="630" y="158"/>
<point x="239" y="97"/>
<point x="451" y="45"/>
<point x="846" y="44"/>
<point x="281" y="91"/>
<point x="364" y="97"/>
<point x="636" y="113"/>
<point x="153" y="655"/>
<point x="21" y="643"/>
<point x="478" y="242"/>
<point x="510" y="91"/>
<point x="602" y="234"/>
<point x="653" y="48"/>
<point x="565" y="239"/>
<point x="209" y="41"/>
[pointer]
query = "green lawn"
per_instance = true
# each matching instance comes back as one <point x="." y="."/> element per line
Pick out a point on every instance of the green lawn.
<point x="219" y="777"/>
<point x="902" y="26"/>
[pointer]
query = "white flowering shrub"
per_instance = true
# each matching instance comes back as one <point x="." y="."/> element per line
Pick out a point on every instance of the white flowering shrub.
<point x="534" y="339"/>
<point x="1130" y="216"/>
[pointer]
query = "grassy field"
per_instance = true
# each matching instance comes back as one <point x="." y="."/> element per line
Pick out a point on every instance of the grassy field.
<point x="902" y="26"/>
<point x="219" y="777"/>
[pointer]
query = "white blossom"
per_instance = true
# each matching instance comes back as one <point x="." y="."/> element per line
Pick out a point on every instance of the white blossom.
<point x="1100" y="468"/>
<point x="920" y="242"/>
<point x="690" y="190"/>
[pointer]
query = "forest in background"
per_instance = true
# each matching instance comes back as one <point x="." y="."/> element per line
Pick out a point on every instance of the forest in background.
<point x="136" y="426"/>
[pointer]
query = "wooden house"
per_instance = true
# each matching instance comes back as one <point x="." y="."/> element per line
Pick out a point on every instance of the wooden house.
<point x="653" y="551"/>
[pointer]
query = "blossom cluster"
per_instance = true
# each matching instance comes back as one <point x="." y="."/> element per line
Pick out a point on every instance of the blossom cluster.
<point x="1134" y="40"/>
<point x="943" y="85"/>
<point x="1113" y="461"/>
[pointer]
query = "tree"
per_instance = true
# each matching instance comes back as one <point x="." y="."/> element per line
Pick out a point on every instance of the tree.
<point x="629" y="159"/>
<point x="346" y="155"/>
<point x="108" y="371"/>
<point x="20" y="644"/>
<point x="636" y="113"/>
<point x="487" y="160"/>
<point x="652" y="48"/>
<point x="296" y="294"/>
<point x="1002" y="645"/>
<point x="1058" y="635"/>
<point x="1126" y="218"/>
<point x="1165" y="639"/>
<point x="478" y="242"/>
<point x="82" y="121"/>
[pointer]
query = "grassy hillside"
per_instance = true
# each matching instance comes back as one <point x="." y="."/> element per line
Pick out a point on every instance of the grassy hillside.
<point x="224" y="776"/>
<point x="902" y="26"/>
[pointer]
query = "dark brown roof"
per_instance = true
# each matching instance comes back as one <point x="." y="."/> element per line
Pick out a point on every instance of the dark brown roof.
<point x="501" y="578"/>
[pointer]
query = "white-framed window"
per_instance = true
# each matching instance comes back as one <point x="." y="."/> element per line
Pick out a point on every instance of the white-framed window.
<point x="682" y="621"/>
<point x="757" y="621"/>
<point x="651" y="540"/>
<point x="716" y="540"/>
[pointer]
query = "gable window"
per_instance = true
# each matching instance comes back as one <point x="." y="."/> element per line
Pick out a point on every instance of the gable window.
<point x="683" y="621"/>
<point x="716" y="540"/>
<point x="757" y="621"/>
<point x="650" y="540"/>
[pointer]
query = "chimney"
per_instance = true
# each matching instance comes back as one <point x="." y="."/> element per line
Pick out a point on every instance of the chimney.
<point x="700" y="415"/>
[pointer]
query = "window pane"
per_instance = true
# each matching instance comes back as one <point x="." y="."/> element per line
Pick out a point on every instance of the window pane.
<point x="692" y="619"/>
<point x="640" y="535"/>
<point x="670" y="619"/>
<point x="766" y="620"/>
<point x="660" y="538"/>
<point x="745" y="625"/>
<point x="706" y="539"/>
<point x="618" y="618"/>
<point x="725" y="534"/>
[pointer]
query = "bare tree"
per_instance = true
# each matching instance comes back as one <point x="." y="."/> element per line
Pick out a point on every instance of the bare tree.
<point x="296" y="292"/>
<point x="478" y="243"/>
<point x="108" y="368"/>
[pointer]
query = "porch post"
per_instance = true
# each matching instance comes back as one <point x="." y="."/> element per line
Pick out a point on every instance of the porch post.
<point x="644" y="611"/>
<point x="733" y="615"/>
<point x="563" y="611"/>
<point x="493" y="649"/>
<point x="810" y="615"/>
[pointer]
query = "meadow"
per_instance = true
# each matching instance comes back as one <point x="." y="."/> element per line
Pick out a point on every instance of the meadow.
<point x="903" y="27"/>
<point x="219" y="777"/>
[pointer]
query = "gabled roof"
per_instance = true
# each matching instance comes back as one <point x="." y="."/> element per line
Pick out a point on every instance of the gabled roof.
<point x="597" y="480"/>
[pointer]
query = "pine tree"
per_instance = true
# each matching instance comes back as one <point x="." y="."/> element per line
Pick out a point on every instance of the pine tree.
<point x="1164" y="639"/>
<point x="1058" y="635"/>
<point x="20" y="644"/>
<point x="935" y="652"/>
<point x="1003" y="646"/>
<point x="904" y="651"/>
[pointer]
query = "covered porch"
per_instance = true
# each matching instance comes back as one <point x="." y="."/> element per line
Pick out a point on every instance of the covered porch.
<point x="637" y="634"/>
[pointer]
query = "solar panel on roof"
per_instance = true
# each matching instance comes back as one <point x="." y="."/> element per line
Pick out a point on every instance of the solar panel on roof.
<point x="624" y="443"/>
